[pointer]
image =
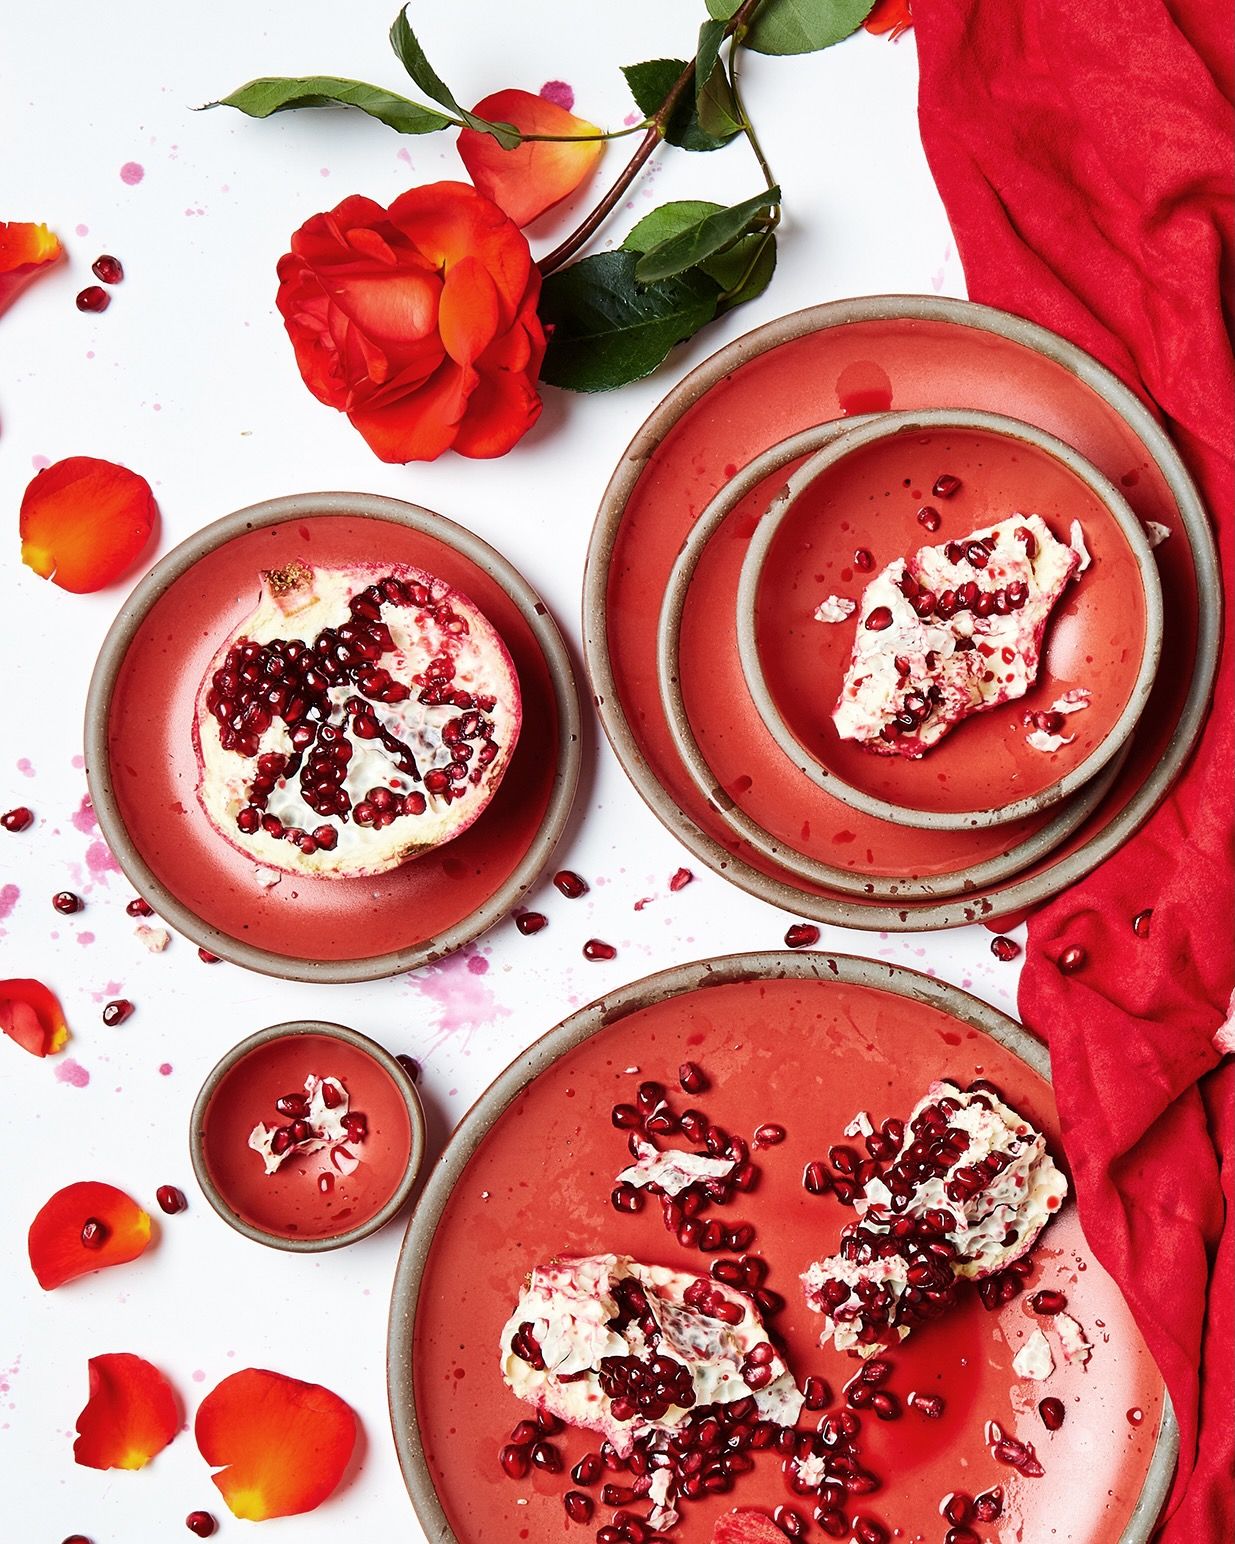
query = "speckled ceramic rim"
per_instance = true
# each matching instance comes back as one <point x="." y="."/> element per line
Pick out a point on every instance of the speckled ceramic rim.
<point x="508" y="1085"/>
<point x="954" y="913"/>
<point x="290" y="1031"/>
<point x="813" y="870"/>
<point x="302" y="506"/>
<point x="889" y="426"/>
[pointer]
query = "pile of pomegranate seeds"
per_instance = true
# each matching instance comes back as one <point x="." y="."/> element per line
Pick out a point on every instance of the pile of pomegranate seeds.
<point x="18" y="819"/>
<point x="302" y="1128"/>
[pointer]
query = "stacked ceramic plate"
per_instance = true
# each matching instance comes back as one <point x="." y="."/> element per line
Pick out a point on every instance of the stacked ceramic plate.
<point x="745" y="543"/>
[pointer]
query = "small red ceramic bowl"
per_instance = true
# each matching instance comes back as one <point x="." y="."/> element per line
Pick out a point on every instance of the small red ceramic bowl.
<point x="858" y="501"/>
<point x="319" y="1200"/>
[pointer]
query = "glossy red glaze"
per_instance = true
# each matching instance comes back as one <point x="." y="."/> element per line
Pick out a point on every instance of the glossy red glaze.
<point x="918" y="363"/>
<point x="1095" y="638"/>
<point x="290" y="1203"/>
<point x="155" y="772"/>
<point x="808" y="1054"/>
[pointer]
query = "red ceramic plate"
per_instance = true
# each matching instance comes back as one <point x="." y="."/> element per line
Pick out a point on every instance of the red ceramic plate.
<point x="862" y="356"/>
<point x="1103" y="637"/>
<point x="806" y="1042"/>
<point x="143" y="773"/>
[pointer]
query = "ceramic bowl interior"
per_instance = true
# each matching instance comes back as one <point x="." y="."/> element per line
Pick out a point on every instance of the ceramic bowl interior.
<point x="857" y="502"/>
<point x="310" y="1202"/>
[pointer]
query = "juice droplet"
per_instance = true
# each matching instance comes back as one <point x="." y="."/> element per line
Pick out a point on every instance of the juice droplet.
<point x="1135" y="1417"/>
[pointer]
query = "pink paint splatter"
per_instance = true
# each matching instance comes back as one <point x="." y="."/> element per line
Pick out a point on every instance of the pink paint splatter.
<point x="8" y="899"/>
<point x="559" y="93"/>
<point x="83" y="230"/>
<point x="100" y="862"/>
<point x="40" y="463"/>
<point x="405" y="155"/>
<point x="85" y="938"/>
<point x="463" y="1003"/>
<point x="477" y="965"/>
<point x="25" y="766"/>
<point x="165" y="1069"/>
<point x="73" y="1073"/>
<point x="131" y="173"/>
<point x="78" y="761"/>
<point x="324" y="172"/>
<point x="84" y="817"/>
<point x="199" y="1376"/>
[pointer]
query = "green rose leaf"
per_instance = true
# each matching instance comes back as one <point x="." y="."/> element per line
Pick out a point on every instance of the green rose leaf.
<point x="413" y="59"/>
<point x="804" y="26"/>
<point x="608" y="330"/>
<point x="742" y="271"/>
<point x="668" y="220"/>
<point x="273" y="94"/>
<point x="722" y="10"/>
<point x="714" y="105"/>
<point x="696" y="243"/>
<point x="650" y="84"/>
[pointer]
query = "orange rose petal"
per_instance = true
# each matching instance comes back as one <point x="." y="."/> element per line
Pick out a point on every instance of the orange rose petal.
<point x="535" y="175"/>
<point x="890" y="16"/>
<point x="449" y="221"/>
<point x="84" y="522"/>
<point x="132" y="1414"/>
<point x="468" y="313"/>
<point x="26" y="250"/>
<point x="284" y="1444"/>
<point x="57" y="1253"/>
<point x="506" y="408"/>
<point x="30" y="1014"/>
<point x="421" y="425"/>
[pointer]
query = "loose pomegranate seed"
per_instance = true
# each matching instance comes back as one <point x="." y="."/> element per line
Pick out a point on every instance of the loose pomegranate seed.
<point x="598" y="949"/>
<point x="515" y="1461"/>
<point x="411" y="1066"/>
<point x="1052" y="1413"/>
<point x="170" y="1199"/>
<point x="961" y="1536"/>
<point x="94" y="1234"/>
<point x="929" y="518"/>
<point x="294" y="1106"/>
<point x="945" y="485"/>
<point x="1047" y="1302"/>
<point x="879" y="620"/>
<point x="802" y="935"/>
<point x="200" y="1523"/>
<point x="77" y="1538"/>
<point x="1072" y="959"/>
<point x="18" y="819"/>
<point x="626" y="1198"/>
<point x="816" y="1179"/>
<point x="205" y="956"/>
<point x="691" y="1077"/>
<point x="864" y="559"/>
<point x="139" y="908"/>
<point x="66" y="903"/>
<point x="792" y="1524"/>
<point x="93" y="298"/>
<point x="929" y="1405"/>
<point x="116" y="1012"/>
<point x="886" y="1406"/>
<point x="988" y="1507"/>
<point x="957" y="1508"/>
<point x="570" y="884"/>
<point x="529" y="922"/>
<point x="1140" y="923"/>
<point x="816" y="1393"/>
<point x="588" y="1470"/>
<point x="108" y="268"/>
<point x="869" y="1531"/>
<point x="1004" y="948"/>
<point x="679" y="879"/>
<point x="769" y="1135"/>
<point x="579" y="1508"/>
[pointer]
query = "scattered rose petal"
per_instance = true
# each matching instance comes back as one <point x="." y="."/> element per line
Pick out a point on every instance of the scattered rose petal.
<point x="57" y="1253"/>
<point x="283" y="1444"/>
<point x="84" y="522"/>
<point x="26" y="250"/>
<point x="835" y="608"/>
<point x="890" y="17"/>
<point x="534" y="176"/>
<point x="131" y="1414"/>
<point x="30" y="1014"/>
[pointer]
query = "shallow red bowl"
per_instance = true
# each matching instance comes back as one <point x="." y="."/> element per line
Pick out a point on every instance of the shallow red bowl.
<point x="289" y="1209"/>
<point x="862" y="495"/>
<point x="806" y="1042"/>
<point x="142" y="768"/>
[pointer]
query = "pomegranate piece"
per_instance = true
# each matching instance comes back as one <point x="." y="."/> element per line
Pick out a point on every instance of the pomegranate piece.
<point x="205" y="956"/>
<point x="864" y="559"/>
<point x="597" y="949"/>
<point x="411" y="1066"/>
<point x="802" y="935"/>
<point x="531" y="922"/>
<point x="929" y="518"/>
<point x="691" y="1078"/>
<point x="18" y="819"/>
<point x="170" y="1199"/>
<point x="356" y="719"/>
<point x="107" y="268"/>
<point x="679" y="879"/>
<point x="201" y="1524"/>
<point x="1052" y="1412"/>
<point x="988" y="1507"/>
<point x="769" y="1135"/>
<point x="571" y="885"/>
<point x="931" y="624"/>
<point x="117" y="1011"/>
<point x="139" y="908"/>
<point x="93" y="298"/>
<point x="1140" y="923"/>
<point x="1048" y="1303"/>
<point x="1005" y="949"/>
<point x="945" y="485"/>
<point x="94" y="1233"/>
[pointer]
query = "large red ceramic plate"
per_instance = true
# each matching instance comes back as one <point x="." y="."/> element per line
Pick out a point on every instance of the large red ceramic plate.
<point x="805" y="1041"/>
<point x="143" y="773"/>
<point x="857" y="356"/>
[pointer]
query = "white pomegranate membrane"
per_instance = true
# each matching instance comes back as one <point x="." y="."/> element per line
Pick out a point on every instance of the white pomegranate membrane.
<point x="968" y="1190"/>
<point x="952" y="631"/>
<point x="319" y="1118"/>
<point x="357" y="718"/>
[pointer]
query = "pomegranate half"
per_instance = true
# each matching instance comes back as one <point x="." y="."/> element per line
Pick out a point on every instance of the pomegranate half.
<point x="357" y="718"/>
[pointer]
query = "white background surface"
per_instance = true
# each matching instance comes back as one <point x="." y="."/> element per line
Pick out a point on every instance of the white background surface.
<point x="189" y="379"/>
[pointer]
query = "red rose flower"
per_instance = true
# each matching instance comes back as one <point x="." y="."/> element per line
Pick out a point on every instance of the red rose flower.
<point x="418" y="321"/>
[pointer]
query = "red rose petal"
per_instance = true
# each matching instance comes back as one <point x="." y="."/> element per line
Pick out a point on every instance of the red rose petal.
<point x="422" y="424"/>
<point x="284" y="1444"/>
<point x="533" y="176"/>
<point x="57" y="1253"/>
<point x="30" y="1014"/>
<point x="891" y="16"/>
<point x="26" y="250"/>
<point x="468" y="314"/>
<point x="84" y="522"/>
<point x="746" y="1528"/>
<point x="131" y="1414"/>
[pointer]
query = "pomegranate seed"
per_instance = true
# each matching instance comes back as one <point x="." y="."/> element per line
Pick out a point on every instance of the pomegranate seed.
<point x="597" y="949"/>
<point x="570" y="884"/>
<point x="961" y="1536"/>
<point x="1004" y="948"/>
<point x="66" y="903"/>
<point x="77" y="1538"/>
<point x="515" y="1461"/>
<point x="802" y="935"/>
<point x="1052" y="1413"/>
<point x="945" y="485"/>
<point x="929" y="518"/>
<point x="1072" y="959"/>
<point x="205" y="956"/>
<point x="867" y="1529"/>
<point x="170" y="1199"/>
<point x="579" y="1508"/>
<point x="691" y="1078"/>
<point x="116" y="1012"/>
<point x="769" y="1135"/>
<point x="816" y="1393"/>
<point x="529" y="922"/>
<point x="988" y="1507"/>
<point x="93" y="298"/>
<point x="200" y="1523"/>
<point x="626" y="1198"/>
<point x="108" y="268"/>
<point x="1047" y="1302"/>
<point x="18" y="819"/>
<point x="94" y="1234"/>
<point x="1140" y="923"/>
<point x="886" y="1406"/>
<point x="411" y="1066"/>
<point x="864" y="559"/>
<point x="957" y="1508"/>
<point x="792" y="1524"/>
<point x="332" y="1098"/>
<point x="294" y="1106"/>
<point x="139" y="908"/>
<point x="679" y="879"/>
<point x="832" y="1521"/>
<point x="879" y="620"/>
<point x="588" y="1470"/>
<point x="929" y="1405"/>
